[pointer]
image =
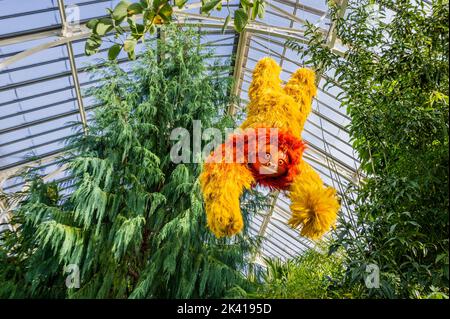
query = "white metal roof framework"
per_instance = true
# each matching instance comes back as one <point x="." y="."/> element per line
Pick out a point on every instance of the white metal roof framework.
<point x="43" y="76"/>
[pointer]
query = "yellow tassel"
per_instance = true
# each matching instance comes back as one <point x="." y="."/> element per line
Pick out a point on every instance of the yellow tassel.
<point x="314" y="207"/>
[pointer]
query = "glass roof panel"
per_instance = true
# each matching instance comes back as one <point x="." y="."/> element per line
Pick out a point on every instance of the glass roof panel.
<point x="39" y="103"/>
<point x="28" y="15"/>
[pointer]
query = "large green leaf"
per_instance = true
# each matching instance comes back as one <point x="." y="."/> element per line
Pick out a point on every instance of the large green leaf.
<point x="135" y="8"/>
<point x="165" y="12"/>
<point x="104" y="26"/>
<point x="226" y="23"/>
<point x="246" y="4"/>
<point x="121" y="10"/>
<point x="114" y="51"/>
<point x="92" y="23"/>
<point x="180" y="3"/>
<point x="129" y="44"/>
<point x="208" y="6"/>
<point x="93" y="43"/>
<point x="258" y="9"/>
<point x="157" y="4"/>
<point x="240" y="20"/>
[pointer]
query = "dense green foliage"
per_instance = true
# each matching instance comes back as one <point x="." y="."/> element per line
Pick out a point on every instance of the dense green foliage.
<point x="394" y="82"/>
<point x="134" y="223"/>
<point x="313" y="275"/>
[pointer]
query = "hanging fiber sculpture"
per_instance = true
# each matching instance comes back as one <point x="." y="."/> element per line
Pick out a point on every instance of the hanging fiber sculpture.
<point x="268" y="151"/>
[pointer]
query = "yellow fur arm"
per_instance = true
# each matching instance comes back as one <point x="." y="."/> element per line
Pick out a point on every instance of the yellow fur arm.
<point x="266" y="76"/>
<point x="302" y="87"/>
<point x="314" y="207"/>
<point x="222" y="185"/>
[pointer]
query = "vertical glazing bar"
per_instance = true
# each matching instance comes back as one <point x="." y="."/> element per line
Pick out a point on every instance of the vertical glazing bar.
<point x="73" y="67"/>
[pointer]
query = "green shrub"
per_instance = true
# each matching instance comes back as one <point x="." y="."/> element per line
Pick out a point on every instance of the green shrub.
<point x="393" y="81"/>
<point x="313" y="275"/>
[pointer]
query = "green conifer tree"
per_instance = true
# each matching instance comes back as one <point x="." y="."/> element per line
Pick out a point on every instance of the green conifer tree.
<point x="134" y="223"/>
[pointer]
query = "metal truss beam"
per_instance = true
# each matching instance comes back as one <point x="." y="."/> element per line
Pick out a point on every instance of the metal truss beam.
<point x="83" y="32"/>
<point x="8" y="173"/>
<point x="73" y="67"/>
<point x="302" y="6"/>
<point x="238" y="67"/>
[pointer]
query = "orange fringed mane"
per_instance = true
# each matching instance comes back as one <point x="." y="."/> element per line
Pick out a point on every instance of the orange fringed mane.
<point x="243" y="148"/>
<point x="294" y="148"/>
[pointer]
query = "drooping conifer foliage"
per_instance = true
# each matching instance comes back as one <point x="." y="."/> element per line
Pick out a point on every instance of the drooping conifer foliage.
<point x="134" y="223"/>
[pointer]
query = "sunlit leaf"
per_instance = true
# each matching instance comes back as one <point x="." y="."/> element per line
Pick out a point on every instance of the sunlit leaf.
<point x="104" y="26"/>
<point x="129" y="44"/>
<point x="180" y="3"/>
<point x="120" y="10"/>
<point x="208" y="6"/>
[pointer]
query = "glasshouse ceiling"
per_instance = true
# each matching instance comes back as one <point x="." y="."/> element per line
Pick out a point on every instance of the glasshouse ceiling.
<point x="43" y="77"/>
